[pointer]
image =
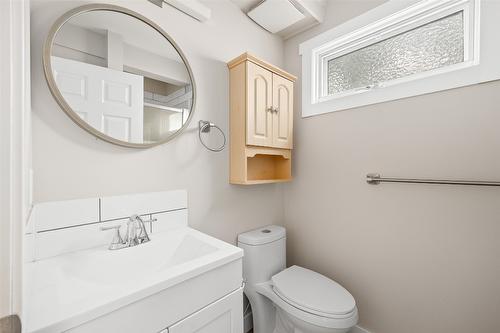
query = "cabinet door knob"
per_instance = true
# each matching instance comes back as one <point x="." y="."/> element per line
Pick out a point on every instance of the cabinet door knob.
<point x="276" y="110"/>
<point x="270" y="109"/>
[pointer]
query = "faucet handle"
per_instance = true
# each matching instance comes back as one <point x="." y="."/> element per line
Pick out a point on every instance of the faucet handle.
<point x="150" y="221"/>
<point x="117" y="242"/>
<point x="111" y="227"/>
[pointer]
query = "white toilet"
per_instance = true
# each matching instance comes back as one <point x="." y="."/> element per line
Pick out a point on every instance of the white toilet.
<point x="294" y="299"/>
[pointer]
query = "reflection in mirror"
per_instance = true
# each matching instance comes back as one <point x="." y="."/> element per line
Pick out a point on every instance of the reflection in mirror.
<point x="121" y="76"/>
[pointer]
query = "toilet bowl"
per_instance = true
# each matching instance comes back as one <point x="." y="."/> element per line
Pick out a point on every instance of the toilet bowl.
<point x="294" y="299"/>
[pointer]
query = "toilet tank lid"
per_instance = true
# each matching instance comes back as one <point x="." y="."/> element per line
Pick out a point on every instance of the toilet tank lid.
<point x="263" y="235"/>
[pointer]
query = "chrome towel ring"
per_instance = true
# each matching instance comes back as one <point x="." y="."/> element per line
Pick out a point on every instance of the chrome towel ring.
<point x="205" y="127"/>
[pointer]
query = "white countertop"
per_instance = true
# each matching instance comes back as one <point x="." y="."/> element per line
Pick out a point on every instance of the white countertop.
<point x="71" y="289"/>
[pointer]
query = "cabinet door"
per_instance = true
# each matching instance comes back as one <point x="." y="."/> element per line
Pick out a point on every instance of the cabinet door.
<point x="223" y="316"/>
<point x="259" y="102"/>
<point x="283" y="112"/>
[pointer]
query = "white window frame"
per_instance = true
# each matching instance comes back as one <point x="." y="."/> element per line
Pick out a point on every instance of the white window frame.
<point x="481" y="52"/>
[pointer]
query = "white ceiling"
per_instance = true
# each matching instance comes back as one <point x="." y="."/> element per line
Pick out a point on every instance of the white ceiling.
<point x="312" y="9"/>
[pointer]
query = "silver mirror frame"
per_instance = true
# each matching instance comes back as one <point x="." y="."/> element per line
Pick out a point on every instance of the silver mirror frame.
<point x="47" y="68"/>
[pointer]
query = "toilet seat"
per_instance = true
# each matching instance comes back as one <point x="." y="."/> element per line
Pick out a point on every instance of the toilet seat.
<point x="313" y="293"/>
<point x="338" y="322"/>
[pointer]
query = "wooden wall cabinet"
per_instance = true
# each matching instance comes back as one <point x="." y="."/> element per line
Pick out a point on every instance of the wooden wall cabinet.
<point x="261" y="121"/>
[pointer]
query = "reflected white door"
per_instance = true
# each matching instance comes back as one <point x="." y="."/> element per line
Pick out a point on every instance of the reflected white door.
<point x="108" y="100"/>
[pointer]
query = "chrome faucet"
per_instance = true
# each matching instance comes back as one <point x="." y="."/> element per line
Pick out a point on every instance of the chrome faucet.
<point x="136" y="233"/>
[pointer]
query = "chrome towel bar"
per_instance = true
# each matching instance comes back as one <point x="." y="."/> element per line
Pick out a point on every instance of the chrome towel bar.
<point x="375" y="179"/>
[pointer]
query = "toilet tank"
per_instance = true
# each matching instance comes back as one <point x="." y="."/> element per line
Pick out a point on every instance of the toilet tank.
<point x="265" y="253"/>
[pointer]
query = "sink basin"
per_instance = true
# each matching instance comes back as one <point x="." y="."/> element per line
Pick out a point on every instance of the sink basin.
<point x="70" y="289"/>
<point x="101" y="266"/>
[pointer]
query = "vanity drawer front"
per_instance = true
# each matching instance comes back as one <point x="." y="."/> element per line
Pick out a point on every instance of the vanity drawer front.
<point x="223" y="316"/>
<point x="152" y="314"/>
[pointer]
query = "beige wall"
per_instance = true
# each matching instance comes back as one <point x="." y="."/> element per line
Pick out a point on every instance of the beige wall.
<point x="417" y="258"/>
<point x="70" y="163"/>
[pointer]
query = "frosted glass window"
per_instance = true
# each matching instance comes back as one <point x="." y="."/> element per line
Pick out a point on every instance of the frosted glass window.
<point x="431" y="46"/>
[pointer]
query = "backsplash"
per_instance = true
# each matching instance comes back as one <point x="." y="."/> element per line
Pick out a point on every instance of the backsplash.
<point x="65" y="226"/>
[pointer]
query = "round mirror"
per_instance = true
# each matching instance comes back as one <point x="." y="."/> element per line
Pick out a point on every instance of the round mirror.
<point x="119" y="76"/>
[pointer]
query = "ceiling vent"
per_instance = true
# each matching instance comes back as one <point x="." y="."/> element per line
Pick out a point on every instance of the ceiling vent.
<point x="275" y="15"/>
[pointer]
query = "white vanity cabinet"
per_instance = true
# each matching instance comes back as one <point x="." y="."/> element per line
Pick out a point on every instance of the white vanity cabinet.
<point x="182" y="280"/>
<point x="222" y="316"/>
<point x="208" y="303"/>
